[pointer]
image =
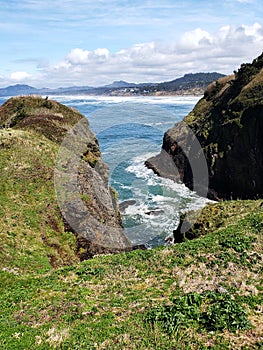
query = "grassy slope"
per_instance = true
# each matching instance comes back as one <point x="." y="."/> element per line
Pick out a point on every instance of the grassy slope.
<point x="32" y="230"/>
<point x="103" y="303"/>
<point x="226" y="99"/>
<point x="33" y="235"/>
<point x="47" y="117"/>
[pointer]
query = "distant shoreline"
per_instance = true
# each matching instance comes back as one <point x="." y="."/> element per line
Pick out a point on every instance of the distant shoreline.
<point x="190" y="92"/>
<point x="109" y="96"/>
<point x="190" y="84"/>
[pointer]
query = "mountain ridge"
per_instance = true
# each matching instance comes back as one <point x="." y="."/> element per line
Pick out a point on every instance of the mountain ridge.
<point x="187" y="82"/>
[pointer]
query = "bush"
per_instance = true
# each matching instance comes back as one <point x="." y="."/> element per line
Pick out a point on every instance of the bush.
<point x="222" y="311"/>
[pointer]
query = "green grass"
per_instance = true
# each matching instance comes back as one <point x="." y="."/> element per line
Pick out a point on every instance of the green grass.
<point x="210" y="311"/>
<point x="204" y="293"/>
<point x="32" y="229"/>
<point x="164" y="298"/>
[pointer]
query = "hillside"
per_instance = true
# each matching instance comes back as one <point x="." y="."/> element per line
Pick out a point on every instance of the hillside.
<point x="34" y="235"/>
<point x="190" y="81"/>
<point x="200" y="294"/>
<point x="227" y="123"/>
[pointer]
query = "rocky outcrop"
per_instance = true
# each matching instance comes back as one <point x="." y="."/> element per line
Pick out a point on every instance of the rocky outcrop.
<point x="227" y="122"/>
<point x="87" y="203"/>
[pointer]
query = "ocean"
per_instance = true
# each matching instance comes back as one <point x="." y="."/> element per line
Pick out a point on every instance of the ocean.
<point x="130" y="130"/>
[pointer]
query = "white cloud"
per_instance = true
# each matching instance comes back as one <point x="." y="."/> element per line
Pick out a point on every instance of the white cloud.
<point x="19" y="76"/>
<point x="195" y="39"/>
<point x="155" y="61"/>
<point x="78" y="56"/>
<point x="255" y="30"/>
<point x="103" y="53"/>
<point x="81" y="57"/>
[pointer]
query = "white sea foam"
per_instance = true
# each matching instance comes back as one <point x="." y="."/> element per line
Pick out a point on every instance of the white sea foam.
<point x="159" y="201"/>
<point x="138" y="168"/>
<point x="93" y="99"/>
<point x="156" y="215"/>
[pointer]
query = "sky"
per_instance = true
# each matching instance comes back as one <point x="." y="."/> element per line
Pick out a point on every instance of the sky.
<point x="47" y="43"/>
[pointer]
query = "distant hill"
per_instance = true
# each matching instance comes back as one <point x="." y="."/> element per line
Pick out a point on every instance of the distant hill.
<point x="193" y="82"/>
<point x="190" y="81"/>
<point x="120" y="84"/>
<point x="18" y="89"/>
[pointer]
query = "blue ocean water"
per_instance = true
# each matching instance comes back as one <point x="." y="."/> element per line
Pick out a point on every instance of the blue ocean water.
<point x="130" y="130"/>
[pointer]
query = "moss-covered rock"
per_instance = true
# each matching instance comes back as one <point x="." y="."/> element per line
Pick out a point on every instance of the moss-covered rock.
<point x="227" y="122"/>
<point x="34" y="234"/>
<point x="215" y="216"/>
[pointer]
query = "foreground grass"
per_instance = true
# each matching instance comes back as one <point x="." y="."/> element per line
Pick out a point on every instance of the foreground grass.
<point x="201" y="294"/>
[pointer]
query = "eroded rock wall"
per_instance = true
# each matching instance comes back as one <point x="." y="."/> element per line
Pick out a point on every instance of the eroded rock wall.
<point x="90" y="212"/>
<point x="228" y="123"/>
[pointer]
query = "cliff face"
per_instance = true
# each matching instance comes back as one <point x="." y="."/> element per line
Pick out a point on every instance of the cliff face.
<point x="34" y="233"/>
<point x="227" y="122"/>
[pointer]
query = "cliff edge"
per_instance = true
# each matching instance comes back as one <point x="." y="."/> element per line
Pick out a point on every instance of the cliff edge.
<point x="227" y="122"/>
<point x="34" y="234"/>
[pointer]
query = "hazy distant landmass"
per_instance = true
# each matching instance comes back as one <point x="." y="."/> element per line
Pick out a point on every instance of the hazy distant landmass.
<point x="189" y="84"/>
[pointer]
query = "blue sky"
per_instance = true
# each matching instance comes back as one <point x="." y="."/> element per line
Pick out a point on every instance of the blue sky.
<point x="83" y="42"/>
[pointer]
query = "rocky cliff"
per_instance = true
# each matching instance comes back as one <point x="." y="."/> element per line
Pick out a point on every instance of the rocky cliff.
<point x="122" y="301"/>
<point x="227" y="122"/>
<point x="34" y="234"/>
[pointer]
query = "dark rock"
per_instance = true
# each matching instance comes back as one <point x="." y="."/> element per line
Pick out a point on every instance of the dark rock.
<point x="125" y="204"/>
<point x="155" y="212"/>
<point x="139" y="246"/>
<point x="179" y="234"/>
<point x="88" y="250"/>
<point x="227" y="122"/>
<point x="88" y="205"/>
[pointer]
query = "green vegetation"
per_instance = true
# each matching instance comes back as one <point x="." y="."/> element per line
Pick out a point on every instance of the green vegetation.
<point x="211" y="311"/>
<point x="32" y="230"/>
<point x="33" y="233"/>
<point x="204" y="293"/>
<point x="227" y="98"/>
<point x="220" y="216"/>
<point x="33" y="113"/>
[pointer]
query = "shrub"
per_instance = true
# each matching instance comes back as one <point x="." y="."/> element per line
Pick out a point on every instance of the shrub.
<point x="222" y="311"/>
